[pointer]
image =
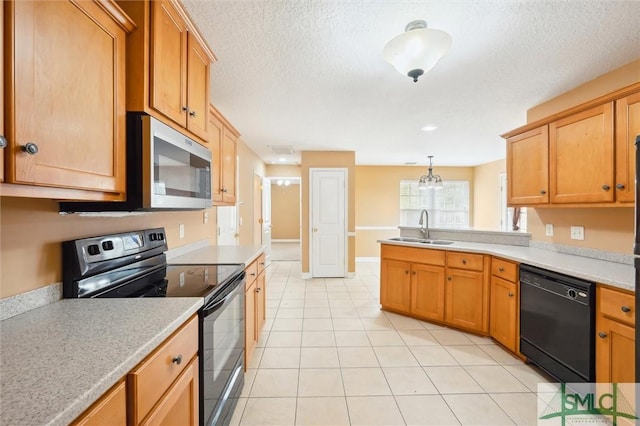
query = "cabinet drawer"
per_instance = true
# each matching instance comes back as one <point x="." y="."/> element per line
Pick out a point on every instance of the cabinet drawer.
<point x="504" y="269"/>
<point x="252" y="273"/>
<point x="261" y="263"/>
<point x="413" y="254"/>
<point x="617" y="305"/>
<point x="149" y="381"/>
<point x="472" y="262"/>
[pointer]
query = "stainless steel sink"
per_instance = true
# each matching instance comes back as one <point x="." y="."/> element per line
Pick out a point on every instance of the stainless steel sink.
<point x="421" y="241"/>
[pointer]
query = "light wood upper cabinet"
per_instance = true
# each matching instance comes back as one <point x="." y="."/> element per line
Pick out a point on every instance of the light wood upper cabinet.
<point x="528" y="168"/>
<point x="168" y="65"/>
<point x="627" y="128"/>
<point x="223" y="144"/>
<point x="65" y="120"/>
<point x="581" y="157"/>
<point x="3" y="139"/>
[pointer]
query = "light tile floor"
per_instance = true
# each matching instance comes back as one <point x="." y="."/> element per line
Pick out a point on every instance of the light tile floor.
<point x="329" y="356"/>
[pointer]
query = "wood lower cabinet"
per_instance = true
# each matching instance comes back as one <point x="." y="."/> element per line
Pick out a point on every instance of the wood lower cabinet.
<point x="223" y="141"/>
<point x="428" y="291"/>
<point x="528" y="168"/>
<point x="615" y="336"/>
<point x="395" y="285"/>
<point x="467" y="291"/>
<point x="168" y="66"/>
<point x="255" y="305"/>
<point x="166" y="382"/>
<point x="627" y="129"/>
<point x="504" y="324"/>
<point x="109" y="410"/>
<point x="65" y="107"/>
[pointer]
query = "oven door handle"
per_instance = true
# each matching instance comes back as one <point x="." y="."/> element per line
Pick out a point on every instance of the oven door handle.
<point x="209" y="309"/>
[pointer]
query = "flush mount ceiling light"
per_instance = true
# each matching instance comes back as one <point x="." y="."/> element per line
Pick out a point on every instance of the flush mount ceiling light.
<point x="430" y="180"/>
<point x="417" y="50"/>
<point x="429" y="128"/>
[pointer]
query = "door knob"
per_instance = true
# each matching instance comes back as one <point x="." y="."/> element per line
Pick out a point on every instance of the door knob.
<point x="3" y="141"/>
<point x="30" y="148"/>
<point x="315" y="229"/>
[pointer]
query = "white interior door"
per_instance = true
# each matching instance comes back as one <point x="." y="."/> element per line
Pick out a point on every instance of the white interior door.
<point x="227" y="225"/>
<point x="266" y="217"/>
<point x="328" y="222"/>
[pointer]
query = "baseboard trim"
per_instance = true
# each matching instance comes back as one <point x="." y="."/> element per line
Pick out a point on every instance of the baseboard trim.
<point x="367" y="259"/>
<point x="285" y="241"/>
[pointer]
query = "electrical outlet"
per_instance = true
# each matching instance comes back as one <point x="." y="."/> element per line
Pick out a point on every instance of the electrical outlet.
<point x="548" y="230"/>
<point x="577" y="232"/>
<point x="205" y="217"/>
<point x="181" y="231"/>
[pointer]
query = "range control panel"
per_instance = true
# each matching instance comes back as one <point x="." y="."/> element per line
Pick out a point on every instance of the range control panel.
<point x="98" y="249"/>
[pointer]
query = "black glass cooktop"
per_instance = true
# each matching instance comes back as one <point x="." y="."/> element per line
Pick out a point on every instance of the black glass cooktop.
<point x="198" y="280"/>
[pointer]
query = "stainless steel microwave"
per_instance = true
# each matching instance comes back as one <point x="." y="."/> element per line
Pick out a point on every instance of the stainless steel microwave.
<point x="166" y="170"/>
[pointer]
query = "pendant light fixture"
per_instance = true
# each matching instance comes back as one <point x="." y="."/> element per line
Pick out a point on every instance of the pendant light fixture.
<point x="417" y="50"/>
<point x="430" y="180"/>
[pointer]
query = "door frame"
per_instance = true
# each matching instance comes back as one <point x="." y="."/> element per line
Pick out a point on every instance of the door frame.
<point x="345" y="172"/>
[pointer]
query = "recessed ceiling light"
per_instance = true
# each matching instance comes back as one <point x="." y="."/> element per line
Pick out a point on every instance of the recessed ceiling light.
<point x="283" y="159"/>
<point x="410" y="163"/>
<point x="429" y="128"/>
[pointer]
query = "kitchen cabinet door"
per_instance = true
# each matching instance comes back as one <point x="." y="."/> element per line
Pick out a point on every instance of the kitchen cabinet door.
<point x="503" y="316"/>
<point x="528" y="168"/>
<point x="65" y="124"/>
<point x="395" y="285"/>
<point x="198" y="65"/>
<point x="465" y="299"/>
<point x="260" y="303"/>
<point x="581" y="157"/>
<point x="109" y="410"/>
<point x="169" y="62"/>
<point x="427" y="291"/>
<point x="3" y="139"/>
<point x="249" y="322"/>
<point x="180" y="405"/>
<point x="615" y="351"/>
<point x="627" y="129"/>
<point x="228" y="168"/>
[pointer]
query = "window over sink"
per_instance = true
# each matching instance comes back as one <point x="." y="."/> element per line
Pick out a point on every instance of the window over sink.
<point x="448" y="207"/>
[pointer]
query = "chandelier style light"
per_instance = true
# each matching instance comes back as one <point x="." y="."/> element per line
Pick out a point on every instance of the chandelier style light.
<point x="417" y="50"/>
<point x="430" y="180"/>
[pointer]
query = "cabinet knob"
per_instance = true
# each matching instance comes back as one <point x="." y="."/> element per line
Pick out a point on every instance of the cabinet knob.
<point x="30" y="148"/>
<point x="185" y="109"/>
<point x="253" y="274"/>
<point x="606" y="187"/>
<point x="262" y="263"/>
<point x="257" y="290"/>
<point x="464" y="261"/>
<point x="542" y="191"/>
<point x="192" y="113"/>
<point x="625" y="309"/>
<point x="3" y="141"/>
<point x="224" y="190"/>
<point x="449" y="278"/>
<point x="620" y="186"/>
<point x="406" y="272"/>
<point x="413" y="273"/>
<point x="602" y="335"/>
<point x="501" y="269"/>
<point x="177" y="360"/>
<point x="511" y="294"/>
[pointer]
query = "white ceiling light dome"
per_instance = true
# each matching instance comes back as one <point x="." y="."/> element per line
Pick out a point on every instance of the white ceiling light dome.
<point x="417" y="50"/>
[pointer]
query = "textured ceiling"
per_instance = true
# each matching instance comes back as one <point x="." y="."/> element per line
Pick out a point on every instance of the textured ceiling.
<point x="310" y="73"/>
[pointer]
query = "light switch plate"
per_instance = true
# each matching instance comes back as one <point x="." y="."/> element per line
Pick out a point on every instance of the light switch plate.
<point x="548" y="230"/>
<point x="181" y="230"/>
<point x="577" y="232"/>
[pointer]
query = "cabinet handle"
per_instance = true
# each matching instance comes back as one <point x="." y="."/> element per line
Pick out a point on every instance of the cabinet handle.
<point x="464" y="261"/>
<point x="510" y="294"/>
<point x="253" y="274"/>
<point x="3" y="141"/>
<point x="602" y="335"/>
<point x="620" y="186"/>
<point x="606" y="187"/>
<point x="30" y="148"/>
<point x="449" y="278"/>
<point x="192" y="113"/>
<point x="625" y="309"/>
<point x="177" y="360"/>
<point x="542" y="192"/>
<point x="500" y="269"/>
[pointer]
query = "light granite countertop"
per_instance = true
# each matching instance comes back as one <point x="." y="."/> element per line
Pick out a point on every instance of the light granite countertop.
<point x="56" y="360"/>
<point x="218" y="254"/>
<point x="605" y="272"/>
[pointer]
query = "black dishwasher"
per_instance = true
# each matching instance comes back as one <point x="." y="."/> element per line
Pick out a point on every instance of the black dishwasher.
<point x="557" y="324"/>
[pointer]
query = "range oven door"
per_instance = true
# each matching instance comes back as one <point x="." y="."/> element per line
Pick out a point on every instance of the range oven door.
<point x="222" y="357"/>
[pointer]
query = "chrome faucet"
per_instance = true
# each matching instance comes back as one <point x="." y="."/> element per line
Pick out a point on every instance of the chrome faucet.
<point x="424" y="222"/>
